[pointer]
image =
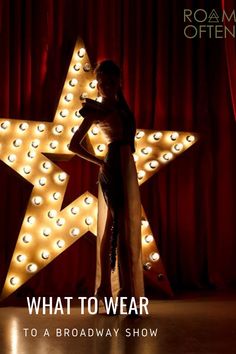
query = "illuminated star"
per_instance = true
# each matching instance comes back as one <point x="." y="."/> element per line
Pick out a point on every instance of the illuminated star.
<point x="46" y="230"/>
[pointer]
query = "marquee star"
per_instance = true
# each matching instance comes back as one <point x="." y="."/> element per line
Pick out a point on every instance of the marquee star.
<point x="47" y="230"/>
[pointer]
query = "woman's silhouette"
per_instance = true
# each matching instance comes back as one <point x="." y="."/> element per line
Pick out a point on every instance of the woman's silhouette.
<point x="120" y="234"/>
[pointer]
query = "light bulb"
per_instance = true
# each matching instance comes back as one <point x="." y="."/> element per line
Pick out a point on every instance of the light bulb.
<point x="77" y="66"/>
<point x="157" y="136"/>
<point x="95" y="130"/>
<point x="81" y="52"/>
<point x="154" y="256"/>
<point x="74" y="210"/>
<point x="5" y="124"/>
<point x="52" y="213"/>
<point x="177" y="147"/>
<point x="74" y="129"/>
<point x="14" y="280"/>
<point x="11" y="158"/>
<point x="58" y="129"/>
<point x="141" y="174"/>
<point x="60" y="243"/>
<point x="41" y="128"/>
<point x="89" y="220"/>
<point x="190" y="138"/>
<point x="148" y="238"/>
<point x="64" y="113"/>
<point x="153" y="164"/>
<point x="139" y="134"/>
<point x="147" y="266"/>
<point x="56" y="195"/>
<point x="88" y="200"/>
<point x="83" y="95"/>
<point x="24" y="126"/>
<point x="31" y="154"/>
<point x="167" y="156"/>
<point x="53" y="144"/>
<point x="46" y="165"/>
<point x="99" y="99"/>
<point x="87" y="67"/>
<point x="37" y="200"/>
<point x="35" y="143"/>
<point x="60" y="221"/>
<point x="69" y="97"/>
<point x="46" y="231"/>
<point x="26" y="238"/>
<point x="73" y="82"/>
<point x="136" y="157"/>
<point x="32" y="267"/>
<point x="42" y="181"/>
<point x="45" y="254"/>
<point x="101" y="147"/>
<point x="146" y="150"/>
<point x="27" y="169"/>
<point x="21" y="258"/>
<point x="144" y="223"/>
<point x="17" y="142"/>
<point x="93" y="84"/>
<point x="31" y="220"/>
<point x="77" y="114"/>
<point x="75" y="232"/>
<point x="174" y="136"/>
<point x="62" y="177"/>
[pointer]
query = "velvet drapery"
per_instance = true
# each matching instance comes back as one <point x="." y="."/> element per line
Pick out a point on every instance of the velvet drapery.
<point x="171" y="83"/>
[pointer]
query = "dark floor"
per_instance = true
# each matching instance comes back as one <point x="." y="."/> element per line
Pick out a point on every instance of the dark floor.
<point x="192" y="324"/>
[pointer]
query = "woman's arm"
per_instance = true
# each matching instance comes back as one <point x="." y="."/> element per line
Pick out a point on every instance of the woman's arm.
<point x="76" y="143"/>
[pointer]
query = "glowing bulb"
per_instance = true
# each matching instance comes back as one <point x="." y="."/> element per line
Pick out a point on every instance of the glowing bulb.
<point x="31" y="154"/>
<point x="27" y="169"/>
<point x="64" y="113"/>
<point x="148" y="238"/>
<point x="167" y="156"/>
<point x="45" y="254"/>
<point x="52" y="213"/>
<point x="23" y="126"/>
<point x="177" y="147"/>
<point x="21" y="258"/>
<point x="58" y="129"/>
<point x="46" y="165"/>
<point x="11" y="158"/>
<point x="83" y="95"/>
<point x="147" y="266"/>
<point x="77" y="114"/>
<point x="190" y="138"/>
<point x="62" y="177"/>
<point x="135" y="157"/>
<point x="53" y="144"/>
<point x="174" y="136"/>
<point x="69" y="97"/>
<point x="74" y="210"/>
<point x="60" y="222"/>
<point x="157" y="136"/>
<point x="77" y="67"/>
<point x="89" y="220"/>
<point x="101" y="147"/>
<point x="60" y="243"/>
<point x="93" y="84"/>
<point x="81" y="52"/>
<point x="46" y="231"/>
<point x="154" y="256"/>
<point x="153" y="164"/>
<point x="74" y="129"/>
<point x="99" y="99"/>
<point x="42" y="181"/>
<point x="5" y="124"/>
<point x="26" y="238"/>
<point x="141" y="174"/>
<point x="88" y="200"/>
<point x="14" y="280"/>
<point x="37" y="200"/>
<point x="31" y="220"/>
<point x="73" y="82"/>
<point x="56" y="195"/>
<point x="144" y="223"/>
<point x="17" y="142"/>
<point x="87" y="67"/>
<point x="74" y="232"/>
<point x="146" y="150"/>
<point x="41" y="128"/>
<point x="95" y="130"/>
<point x="32" y="267"/>
<point x="139" y="134"/>
<point x="35" y="143"/>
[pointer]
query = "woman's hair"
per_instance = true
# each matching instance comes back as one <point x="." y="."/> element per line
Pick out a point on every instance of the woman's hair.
<point x="107" y="67"/>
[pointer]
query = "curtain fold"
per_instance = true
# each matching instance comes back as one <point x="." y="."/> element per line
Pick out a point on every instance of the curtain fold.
<point x="171" y="83"/>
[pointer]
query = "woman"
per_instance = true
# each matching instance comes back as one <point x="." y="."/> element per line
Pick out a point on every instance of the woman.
<point x="121" y="233"/>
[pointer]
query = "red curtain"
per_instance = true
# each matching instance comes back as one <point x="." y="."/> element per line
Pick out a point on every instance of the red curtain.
<point x="171" y="83"/>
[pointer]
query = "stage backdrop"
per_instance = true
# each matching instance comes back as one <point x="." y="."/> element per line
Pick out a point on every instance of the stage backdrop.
<point x="171" y="83"/>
